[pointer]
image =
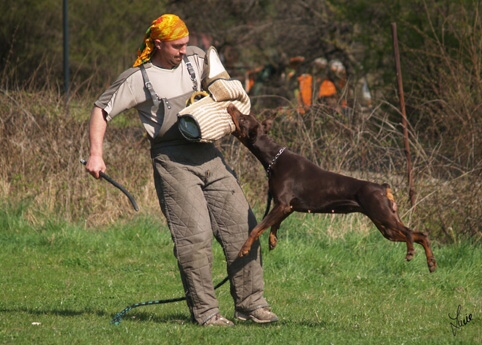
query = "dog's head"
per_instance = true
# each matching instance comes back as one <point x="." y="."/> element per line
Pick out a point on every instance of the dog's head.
<point x="247" y="127"/>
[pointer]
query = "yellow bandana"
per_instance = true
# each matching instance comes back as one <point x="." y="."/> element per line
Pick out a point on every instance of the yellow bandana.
<point x="167" y="27"/>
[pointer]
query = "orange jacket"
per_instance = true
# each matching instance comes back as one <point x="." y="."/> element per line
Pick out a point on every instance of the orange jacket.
<point x="327" y="89"/>
<point x="305" y="97"/>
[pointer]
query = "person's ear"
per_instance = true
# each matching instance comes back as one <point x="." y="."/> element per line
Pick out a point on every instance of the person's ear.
<point x="157" y="43"/>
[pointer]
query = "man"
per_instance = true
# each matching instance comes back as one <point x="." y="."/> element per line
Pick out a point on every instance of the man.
<point x="198" y="193"/>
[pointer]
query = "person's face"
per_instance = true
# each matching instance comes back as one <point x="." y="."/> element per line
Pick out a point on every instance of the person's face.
<point x="170" y="53"/>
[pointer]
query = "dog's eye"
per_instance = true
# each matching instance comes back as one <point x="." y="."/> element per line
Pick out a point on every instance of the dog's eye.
<point x="253" y="133"/>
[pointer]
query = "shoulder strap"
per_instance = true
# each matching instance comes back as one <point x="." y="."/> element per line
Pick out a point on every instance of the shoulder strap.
<point x="148" y="85"/>
<point x="190" y="69"/>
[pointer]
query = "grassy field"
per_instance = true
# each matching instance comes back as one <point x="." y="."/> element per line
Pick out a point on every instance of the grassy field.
<point x="62" y="284"/>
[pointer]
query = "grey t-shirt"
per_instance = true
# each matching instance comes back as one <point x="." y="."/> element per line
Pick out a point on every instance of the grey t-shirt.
<point x="173" y="86"/>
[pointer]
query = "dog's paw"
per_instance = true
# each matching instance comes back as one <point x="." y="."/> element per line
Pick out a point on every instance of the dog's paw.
<point x="409" y="256"/>
<point x="273" y="241"/>
<point x="243" y="252"/>
<point x="432" y="265"/>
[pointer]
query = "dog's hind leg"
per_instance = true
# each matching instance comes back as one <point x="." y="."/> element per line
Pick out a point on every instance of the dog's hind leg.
<point x="396" y="232"/>
<point x="422" y="239"/>
<point x="417" y="237"/>
<point x="379" y="205"/>
<point x="400" y="233"/>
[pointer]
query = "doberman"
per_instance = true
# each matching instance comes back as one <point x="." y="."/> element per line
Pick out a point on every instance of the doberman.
<point x="296" y="184"/>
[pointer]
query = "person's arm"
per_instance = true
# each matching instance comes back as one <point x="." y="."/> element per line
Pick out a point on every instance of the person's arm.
<point x="97" y="128"/>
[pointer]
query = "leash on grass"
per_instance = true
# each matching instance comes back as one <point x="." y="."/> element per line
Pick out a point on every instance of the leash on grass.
<point x="116" y="320"/>
<point x="116" y="184"/>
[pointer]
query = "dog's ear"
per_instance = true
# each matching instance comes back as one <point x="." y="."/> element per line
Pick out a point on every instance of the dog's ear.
<point x="267" y="124"/>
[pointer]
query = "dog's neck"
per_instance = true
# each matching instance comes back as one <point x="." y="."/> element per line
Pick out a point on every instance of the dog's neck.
<point x="265" y="150"/>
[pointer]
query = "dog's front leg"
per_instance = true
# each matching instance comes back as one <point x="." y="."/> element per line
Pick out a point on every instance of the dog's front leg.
<point x="253" y="236"/>
<point x="276" y="216"/>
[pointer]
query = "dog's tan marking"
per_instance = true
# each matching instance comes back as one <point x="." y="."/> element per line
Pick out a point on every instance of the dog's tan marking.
<point x="393" y="204"/>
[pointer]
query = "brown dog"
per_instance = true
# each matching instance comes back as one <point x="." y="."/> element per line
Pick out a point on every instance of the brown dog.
<point x="296" y="184"/>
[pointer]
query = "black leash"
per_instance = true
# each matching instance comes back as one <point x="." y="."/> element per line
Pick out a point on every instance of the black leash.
<point x="116" y="320"/>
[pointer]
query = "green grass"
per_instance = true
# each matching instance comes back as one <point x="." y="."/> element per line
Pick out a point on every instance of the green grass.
<point x="62" y="284"/>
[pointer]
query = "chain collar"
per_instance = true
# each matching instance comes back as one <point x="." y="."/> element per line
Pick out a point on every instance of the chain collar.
<point x="268" y="170"/>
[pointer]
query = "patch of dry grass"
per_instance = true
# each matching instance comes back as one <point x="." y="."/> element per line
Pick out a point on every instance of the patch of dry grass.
<point x="41" y="148"/>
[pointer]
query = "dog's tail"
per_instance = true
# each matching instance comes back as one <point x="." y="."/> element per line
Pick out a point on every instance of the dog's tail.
<point x="268" y="204"/>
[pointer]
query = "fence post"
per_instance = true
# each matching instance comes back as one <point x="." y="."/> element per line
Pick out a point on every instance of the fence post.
<point x="411" y="191"/>
<point x="65" y="12"/>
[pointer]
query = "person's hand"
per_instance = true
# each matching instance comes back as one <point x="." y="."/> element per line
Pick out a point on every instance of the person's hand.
<point x="95" y="164"/>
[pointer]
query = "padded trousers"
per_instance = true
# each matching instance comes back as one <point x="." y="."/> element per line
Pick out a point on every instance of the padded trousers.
<point x="200" y="197"/>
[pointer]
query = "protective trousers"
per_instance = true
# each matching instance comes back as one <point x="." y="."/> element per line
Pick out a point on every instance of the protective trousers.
<point x="200" y="197"/>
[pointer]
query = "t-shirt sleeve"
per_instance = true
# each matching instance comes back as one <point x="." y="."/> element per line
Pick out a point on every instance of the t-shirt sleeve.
<point x="120" y="96"/>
